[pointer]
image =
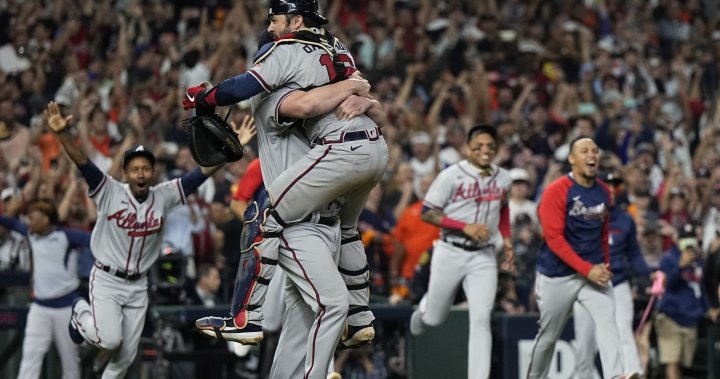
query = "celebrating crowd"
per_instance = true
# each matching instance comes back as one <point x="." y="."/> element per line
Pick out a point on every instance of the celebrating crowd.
<point x="638" y="78"/>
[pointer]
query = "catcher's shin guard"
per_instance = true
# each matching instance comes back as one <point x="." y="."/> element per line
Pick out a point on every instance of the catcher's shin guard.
<point x="354" y="270"/>
<point x="258" y="260"/>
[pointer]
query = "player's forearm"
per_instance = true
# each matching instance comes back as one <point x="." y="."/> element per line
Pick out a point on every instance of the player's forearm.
<point x="193" y="179"/>
<point x="316" y="102"/>
<point x="376" y="112"/>
<point x="71" y="149"/>
<point x="432" y="216"/>
<point x="504" y="225"/>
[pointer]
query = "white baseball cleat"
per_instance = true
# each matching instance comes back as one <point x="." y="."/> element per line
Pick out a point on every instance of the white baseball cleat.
<point x="224" y="328"/>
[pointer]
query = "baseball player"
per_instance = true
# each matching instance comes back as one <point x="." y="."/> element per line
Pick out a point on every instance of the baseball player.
<point x="573" y="261"/>
<point x="273" y="138"/>
<point x="307" y="56"/>
<point x="125" y="242"/>
<point x="54" y="285"/>
<point x="624" y="250"/>
<point x="468" y="200"/>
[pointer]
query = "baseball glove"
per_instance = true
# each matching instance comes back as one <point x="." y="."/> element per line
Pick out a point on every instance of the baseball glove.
<point x="211" y="140"/>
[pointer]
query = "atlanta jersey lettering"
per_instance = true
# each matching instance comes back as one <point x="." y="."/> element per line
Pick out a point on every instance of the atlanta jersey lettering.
<point x="464" y="195"/>
<point x="127" y="235"/>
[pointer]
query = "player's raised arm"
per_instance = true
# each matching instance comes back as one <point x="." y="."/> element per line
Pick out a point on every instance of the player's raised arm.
<point x="14" y="225"/>
<point x="59" y="125"/>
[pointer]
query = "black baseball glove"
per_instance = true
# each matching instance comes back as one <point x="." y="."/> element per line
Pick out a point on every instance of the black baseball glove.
<point x="211" y="140"/>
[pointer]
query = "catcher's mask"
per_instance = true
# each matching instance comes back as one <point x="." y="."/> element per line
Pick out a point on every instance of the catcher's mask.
<point x="305" y="8"/>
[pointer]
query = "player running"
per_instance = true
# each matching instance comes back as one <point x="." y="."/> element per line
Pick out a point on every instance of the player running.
<point x="468" y="200"/>
<point x="125" y="242"/>
<point x="573" y="262"/>
<point x="624" y="253"/>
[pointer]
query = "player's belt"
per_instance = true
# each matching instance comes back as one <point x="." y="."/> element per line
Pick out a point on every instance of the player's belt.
<point x="465" y="246"/>
<point x="370" y="134"/>
<point x="322" y="220"/>
<point x="120" y="274"/>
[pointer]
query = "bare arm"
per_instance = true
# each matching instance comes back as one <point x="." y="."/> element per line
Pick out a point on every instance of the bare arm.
<point x="321" y="100"/>
<point x="58" y="124"/>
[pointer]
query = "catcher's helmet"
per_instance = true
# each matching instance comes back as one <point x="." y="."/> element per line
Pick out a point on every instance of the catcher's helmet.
<point x="306" y="8"/>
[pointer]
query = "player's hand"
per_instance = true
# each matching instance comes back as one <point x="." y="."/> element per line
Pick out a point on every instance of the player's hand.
<point x="508" y="264"/>
<point x="600" y="275"/>
<point x="194" y="95"/>
<point x="361" y="87"/>
<point x="352" y="107"/>
<point x="687" y="258"/>
<point x="246" y="131"/>
<point x="477" y="232"/>
<point x="55" y="120"/>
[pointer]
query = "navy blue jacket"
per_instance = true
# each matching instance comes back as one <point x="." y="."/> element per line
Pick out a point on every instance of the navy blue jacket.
<point x="625" y="254"/>
<point x="685" y="301"/>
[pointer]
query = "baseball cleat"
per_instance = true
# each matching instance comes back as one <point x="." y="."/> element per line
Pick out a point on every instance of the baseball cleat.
<point x="356" y="336"/>
<point x="224" y="328"/>
<point x="75" y="335"/>
<point x="417" y="326"/>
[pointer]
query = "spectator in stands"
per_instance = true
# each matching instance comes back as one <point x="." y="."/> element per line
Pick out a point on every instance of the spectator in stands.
<point x="683" y="304"/>
<point x="519" y="192"/>
<point x="412" y="237"/>
<point x="54" y="287"/>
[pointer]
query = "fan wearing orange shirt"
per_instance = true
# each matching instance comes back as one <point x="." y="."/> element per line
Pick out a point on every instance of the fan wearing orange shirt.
<point x="413" y="237"/>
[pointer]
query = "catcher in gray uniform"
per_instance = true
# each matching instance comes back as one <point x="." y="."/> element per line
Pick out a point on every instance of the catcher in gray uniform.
<point x="306" y="57"/>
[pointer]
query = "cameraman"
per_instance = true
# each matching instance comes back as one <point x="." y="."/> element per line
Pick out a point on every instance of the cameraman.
<point x="683" y="304"/>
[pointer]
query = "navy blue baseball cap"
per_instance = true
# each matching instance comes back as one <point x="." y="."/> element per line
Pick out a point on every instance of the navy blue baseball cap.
<point x="138" y="151"/>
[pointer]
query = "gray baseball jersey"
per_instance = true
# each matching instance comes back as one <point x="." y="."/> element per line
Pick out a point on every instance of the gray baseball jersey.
<point x="121" y="216"/>
<point x="464" y="195"/>
<point x="127" y="237"/>
<point x="299" y="66"/>
<point x="279" y="144"/>
<point x="306" y="250"/>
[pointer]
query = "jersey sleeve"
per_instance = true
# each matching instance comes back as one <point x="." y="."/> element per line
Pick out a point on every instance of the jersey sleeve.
<point x="249" y="183"/>
<point x="170" y="193"/>
<point x="105" y="193"/>
<point x="277" y="98"/>
<point x="439" y="192"/>
<point x="77" y="238"/>
<point x="273" y="71"/>
<point x="552" y="211"/>
<point x="14" y="224"/>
